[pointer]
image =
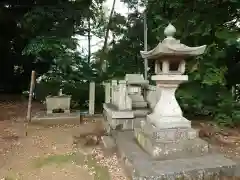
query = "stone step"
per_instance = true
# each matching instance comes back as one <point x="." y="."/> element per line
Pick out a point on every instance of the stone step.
<point x="141" y="112"/>
<point x="174" y="150"/>
<point x="139" y="104"/>
<point x="142" y="166"/>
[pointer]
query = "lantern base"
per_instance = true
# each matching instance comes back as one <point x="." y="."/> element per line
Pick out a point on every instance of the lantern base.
<point x="168" y="121"/>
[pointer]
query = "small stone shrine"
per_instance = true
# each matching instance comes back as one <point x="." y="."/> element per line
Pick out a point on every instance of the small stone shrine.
<point x="135" y="83"/>
<point x="127" y="106"/>
<point x="165" y="146"/>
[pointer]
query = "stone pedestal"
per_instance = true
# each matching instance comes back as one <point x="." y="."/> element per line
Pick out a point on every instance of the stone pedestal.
<point x="166" y="134"/>
<point x="167" y="112"/>
<point x="171" y="143"/>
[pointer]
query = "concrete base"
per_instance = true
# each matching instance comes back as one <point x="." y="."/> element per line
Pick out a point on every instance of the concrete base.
<point x="56" y="118"/>
<point x="143" y="167"/>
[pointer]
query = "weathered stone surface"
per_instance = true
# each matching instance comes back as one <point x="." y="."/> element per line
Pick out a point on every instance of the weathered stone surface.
<point x="136" y="79"/>
<point x="138" y="101"/>
<point x="127" y="119"/>
<point x="113" y="111"/>
<point x="178" y="149"/>
<point x="58" y="102"/>
<point x="143" y="167"/>
<point x="108" y="142"/>
<point x="166" y="122"/>
<point x="168" y="135"/>
<point x="141" y="112"/>
<point x="56" y="118"/>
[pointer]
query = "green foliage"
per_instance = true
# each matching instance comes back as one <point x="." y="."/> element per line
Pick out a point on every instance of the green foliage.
<point x="40" y="36"/>
<point x="212" y="75"/>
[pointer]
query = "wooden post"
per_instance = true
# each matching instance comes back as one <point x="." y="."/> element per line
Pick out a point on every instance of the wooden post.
<point x="91" y="98"/>
<point x="113" y="93"/>
<point x="32" y="84"/>
<point x="122" y="95"/>
<point x="107" y="86"/>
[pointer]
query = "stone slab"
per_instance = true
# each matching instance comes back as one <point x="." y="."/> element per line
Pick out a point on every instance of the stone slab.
<point x="143" y="167"/>
<point x="126" y="123"/>
<point x="137" y="79"/>
<point x="179" y="149"/>
<point x="169" y="122"/>
<point x="56" y="118"/>
<point x="141" y="112"/>
<point x="168" y="135"/>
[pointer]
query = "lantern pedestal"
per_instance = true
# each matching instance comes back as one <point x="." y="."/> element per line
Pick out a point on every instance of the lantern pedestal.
<point x="167" y="112"/>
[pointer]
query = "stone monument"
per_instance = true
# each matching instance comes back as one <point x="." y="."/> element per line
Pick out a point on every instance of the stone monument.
<point x="127" y="107"/>
<point x="166" y="123"/>
<point x="166" y="147"/>
<point x="61" y="101"/>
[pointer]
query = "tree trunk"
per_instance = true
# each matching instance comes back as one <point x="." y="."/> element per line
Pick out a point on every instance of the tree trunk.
<point x="105" y="48"/>
<point x="89" y="40"/>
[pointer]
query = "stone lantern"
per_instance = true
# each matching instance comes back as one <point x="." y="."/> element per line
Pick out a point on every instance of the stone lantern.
<point x="166" y="146"/>
<point x="169" y="56"/>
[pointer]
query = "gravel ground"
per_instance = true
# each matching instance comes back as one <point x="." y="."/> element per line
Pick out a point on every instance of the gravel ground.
<point x="48" y="153"/>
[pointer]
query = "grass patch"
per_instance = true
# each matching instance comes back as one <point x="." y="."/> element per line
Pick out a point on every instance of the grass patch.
<point x="55" y="159"/>
<point x="80" y="159"/>
<point x="9" y="178"/>
<point x="101" y="171"/>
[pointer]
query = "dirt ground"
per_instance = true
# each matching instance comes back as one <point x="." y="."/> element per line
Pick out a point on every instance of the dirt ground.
<point x="49" y="152"/>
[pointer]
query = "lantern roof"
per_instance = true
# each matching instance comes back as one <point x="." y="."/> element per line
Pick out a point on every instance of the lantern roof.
<point x="172" y="46"/>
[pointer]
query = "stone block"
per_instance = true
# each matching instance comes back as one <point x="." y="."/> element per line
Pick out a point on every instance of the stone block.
<point x="56" y="119"/>
<point x="114" y="113"/>
<point x="58" y="102"/>
<point x="138" y="101"/>
<point x="175" y="149"/>
<point x="166" y="122"/>
<point x="125" y="119"/>
<point x="141" y="112"/>
<point x="168" y="135"/>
